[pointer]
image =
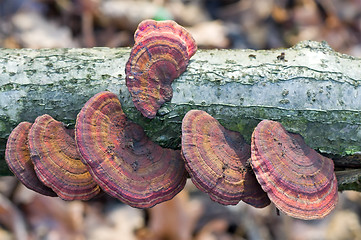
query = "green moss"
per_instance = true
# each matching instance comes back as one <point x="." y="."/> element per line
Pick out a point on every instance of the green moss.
<point x="285" y="92"/>
<point x="62" y="70"/>
<point x="4" y="170"/>
<point x="244" y="126"/>
<point x="105" y="76"/>
<point x="350" y="150"/>
<point x="9" y="87"/>
<point x="49" y="65"/>
<point x="231" y="61"/>
<point x="30" y="73"/>
<point x="3" y="126"/>
<point x="284" y="101"/>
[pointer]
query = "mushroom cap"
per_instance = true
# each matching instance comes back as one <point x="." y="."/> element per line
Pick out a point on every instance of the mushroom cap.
<point x="253" y="193"/>
<point x="158" y="56"/>
<point x="149" y="27"/>
<point x="57" y="160"/>
<point x="297" y="179"/>
<point x="216" y="158"/>
<point x="17" y="157"/>
<point x="122" y="159"/>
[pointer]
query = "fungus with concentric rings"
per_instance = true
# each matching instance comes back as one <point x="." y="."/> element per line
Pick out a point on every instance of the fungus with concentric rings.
<point x="57" y="161"/>
<point x="216" y="158"/>
<point x="151" y="27"/>
<point x="160" y="54"/>
<point x="297" y="179"/>
<point x="122" y="159"/>
<point x="17" y="157"/>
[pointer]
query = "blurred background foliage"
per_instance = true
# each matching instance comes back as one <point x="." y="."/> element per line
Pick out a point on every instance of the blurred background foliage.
<point x="261" y="24"/>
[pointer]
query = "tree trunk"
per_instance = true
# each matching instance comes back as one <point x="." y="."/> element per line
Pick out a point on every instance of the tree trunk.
<point x="309" y="88"/>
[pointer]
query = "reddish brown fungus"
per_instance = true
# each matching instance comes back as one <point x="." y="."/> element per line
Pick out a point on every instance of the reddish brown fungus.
<point x="122" y="159"/>
<point x="216" y="159"/>
<point x="17" y="157"/>
<point x="57" y="161"/>
<point x="151" y="27"/>
<point x="297" y="179"/>
<point x="160" y="54"/>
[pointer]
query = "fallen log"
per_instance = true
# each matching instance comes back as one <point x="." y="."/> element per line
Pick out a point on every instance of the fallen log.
<point x="309" y="88"/>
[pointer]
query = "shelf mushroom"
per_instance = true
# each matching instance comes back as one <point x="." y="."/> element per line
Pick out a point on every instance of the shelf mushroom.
<point x="17" y="157"/>
<point x="217" y="158"/>
<point x="151" y="27"/>
<point x="122" y="159"/>
<point x="297" y="179"/>
<point x="160" y="54"/>
<point x="57" y="161"/>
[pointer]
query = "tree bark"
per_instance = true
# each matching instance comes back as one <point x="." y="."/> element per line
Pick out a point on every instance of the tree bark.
<point x="309" y="88"/>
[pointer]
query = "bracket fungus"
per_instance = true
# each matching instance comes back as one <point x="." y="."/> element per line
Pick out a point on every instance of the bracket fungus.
<point x="122" y="159"/>
<point x="297" y="179"/>
<point x="160" y="54"/>
<point x="217" y="159"/>
<point x="150" y="27"/>
<point x="57" y="161"/>
<point x="17" y="157"/>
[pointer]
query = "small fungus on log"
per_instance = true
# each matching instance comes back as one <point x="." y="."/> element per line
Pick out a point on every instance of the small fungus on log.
<point x="297" y="179"/>
<point x="17" y="157"/>
<point x="160" y="54"/>
<point x="216" y="158"/>
<point x="57" y="161"/>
